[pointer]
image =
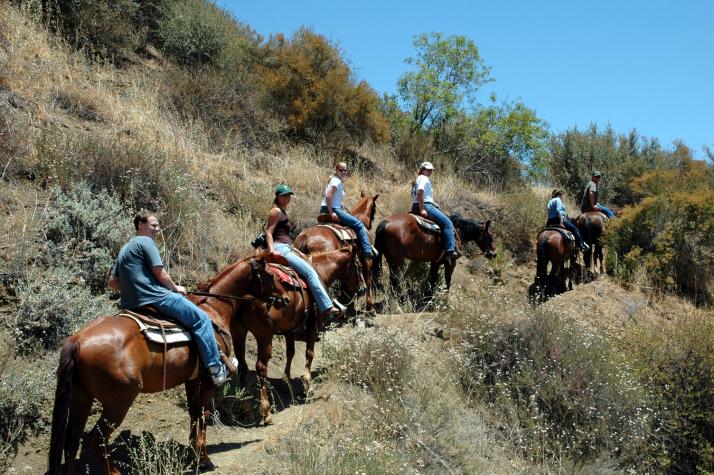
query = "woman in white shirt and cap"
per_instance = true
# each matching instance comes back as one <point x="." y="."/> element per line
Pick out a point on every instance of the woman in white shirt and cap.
<point x="423" y="204"/>
<point x="332" y="204"/>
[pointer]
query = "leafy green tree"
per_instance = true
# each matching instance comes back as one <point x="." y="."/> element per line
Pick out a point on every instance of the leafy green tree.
<point x="448" y="73"/>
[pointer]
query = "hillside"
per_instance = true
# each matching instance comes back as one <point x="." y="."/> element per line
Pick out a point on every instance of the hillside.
<point x="615" y="375"/>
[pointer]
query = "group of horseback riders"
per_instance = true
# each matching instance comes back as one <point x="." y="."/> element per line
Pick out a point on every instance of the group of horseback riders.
<point x="558" y="216"/>
<point x="141" y="279"/>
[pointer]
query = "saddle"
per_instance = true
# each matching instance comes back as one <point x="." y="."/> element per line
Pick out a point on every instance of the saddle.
<point x="427" y="223"/>
<point x="343" y="233"/>
<point x="156" y="327"/>
<point x="287" y="276"/>
<point x="564" y="232"/>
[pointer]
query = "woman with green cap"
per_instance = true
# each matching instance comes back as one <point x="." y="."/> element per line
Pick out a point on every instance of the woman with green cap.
<point x="277" y="237"/>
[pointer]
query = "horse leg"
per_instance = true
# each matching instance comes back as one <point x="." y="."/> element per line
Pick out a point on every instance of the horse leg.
<point x="434" y="277"/>
<point x="367" y="276"/>
<point x="79" y="409"/>
<point x="239" y="333"/>
<point x="598" y="250"/>
<point x="448" y="272"/>
<point x="111" y="418"/>
<point x="265" y="351"/>
<point x="395" y="267"/>
<point x="199" y="395"/>
<point x="309" y="356"/>
<point x="289" y="354"/>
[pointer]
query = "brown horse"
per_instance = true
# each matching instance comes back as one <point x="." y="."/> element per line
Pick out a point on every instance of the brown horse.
<point x="553" y="248"/>
<point x="321" y="239"/>
<point x="296" y="321"/>
<point x="110" y="360"/>
<point x="400" y="237"/>
<point x="592" y="226"/>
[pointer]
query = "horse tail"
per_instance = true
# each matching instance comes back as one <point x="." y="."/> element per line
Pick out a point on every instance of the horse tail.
<point x="380" y="246"/>
<point x="60" y="413"/>
<point x="542" y="262"/>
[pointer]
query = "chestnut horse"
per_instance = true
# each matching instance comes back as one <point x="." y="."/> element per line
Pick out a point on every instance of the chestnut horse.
<point x="592" y="226"/>
<point x="295" y="321"/>
<point x="320" y="239"/>
<point x="400" y="237"/>
<point x="110" y="360"/>
<point x="553" y="248"/>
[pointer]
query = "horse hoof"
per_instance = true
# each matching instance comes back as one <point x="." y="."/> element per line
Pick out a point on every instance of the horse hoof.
<point x="206" y="466"/>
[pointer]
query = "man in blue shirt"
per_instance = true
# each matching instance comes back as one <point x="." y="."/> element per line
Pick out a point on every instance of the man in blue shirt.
<point x="558" y="216"/>
<point x="141" y="279"/>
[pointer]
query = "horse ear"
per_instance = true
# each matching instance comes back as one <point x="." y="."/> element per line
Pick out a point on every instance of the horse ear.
<point x="375" y="197"/>
<point x="361" y="194"/>
<point x="488" y="223"/>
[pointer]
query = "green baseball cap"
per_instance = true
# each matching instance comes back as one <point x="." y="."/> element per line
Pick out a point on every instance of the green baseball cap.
<point x="283" y="189"/>
<point x="597" y="173"/>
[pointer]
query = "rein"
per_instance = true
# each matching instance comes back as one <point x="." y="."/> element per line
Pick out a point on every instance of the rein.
<point x="221" y="296"/>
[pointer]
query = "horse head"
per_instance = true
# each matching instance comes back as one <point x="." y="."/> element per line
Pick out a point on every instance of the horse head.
<point x="480" y="233"/>
<point x="263" y="283"/>
<point x="365" y="209"/>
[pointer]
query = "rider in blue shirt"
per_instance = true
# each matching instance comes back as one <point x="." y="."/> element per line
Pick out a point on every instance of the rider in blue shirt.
<point x="141" y="279"/>
<point x="557" y="215"/>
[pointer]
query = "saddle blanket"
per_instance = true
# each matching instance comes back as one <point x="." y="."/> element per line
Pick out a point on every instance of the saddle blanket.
<point x="343" y="233"/>
<point x="427" y="224"/>
<point x="564" y="232"/>
<point x="173" y="332"/>
<point x="287" y="276"/>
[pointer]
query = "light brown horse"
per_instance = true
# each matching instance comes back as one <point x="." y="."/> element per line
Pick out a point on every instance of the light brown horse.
<point x="400" y="237"/>
<point x="592" y="226"/>
<point x="320" y="239"/>
<point x="110" y="360"/>
<point x="296" y="321"/>
<point x="552" y="248"/>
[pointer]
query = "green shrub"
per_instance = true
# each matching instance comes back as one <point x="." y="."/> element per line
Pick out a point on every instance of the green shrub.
<point x="518" y="217"/>
<point x="84" y="230"/>
<point x="196" y="32"/>
<point x="676" y="362"/>
<point x="670" y="237"/>
<point x="52" y="306"/>
<point x="24" y="392"/>
<point x="565" y="388"/>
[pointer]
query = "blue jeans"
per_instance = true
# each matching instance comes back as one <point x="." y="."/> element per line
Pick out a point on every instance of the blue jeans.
<point x="196" y="321"/>
<point x="607" y="211"/>
<point x="353" y="223"/>
<point x="447" y="227"/>
<point x="570" y="226"/>
<point x="307" y="272"/>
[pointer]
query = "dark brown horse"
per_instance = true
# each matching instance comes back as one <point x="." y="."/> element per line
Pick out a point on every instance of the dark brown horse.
<point x="110" y="360"/>
<point x="552" y="248"/>
<point x="592" y="226"/>
<point x="400" y="237"/>
<point x="296" y="321"/>
<point x="321" y="239"/>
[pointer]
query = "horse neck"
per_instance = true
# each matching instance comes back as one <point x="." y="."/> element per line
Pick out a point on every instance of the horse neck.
<point x="330" y="265"/>
<point x="233" y="280"/>
<point x="363" y="210"/>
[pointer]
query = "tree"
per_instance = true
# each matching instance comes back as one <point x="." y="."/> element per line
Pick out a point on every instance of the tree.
<point x="449" y="71"/>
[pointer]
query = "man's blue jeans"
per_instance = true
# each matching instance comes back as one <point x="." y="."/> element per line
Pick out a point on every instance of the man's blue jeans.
<point x="447" y="227"/>
<point x="570" y="226"/>
<point x="307" y="272"/>
<point x="607" y="211"/>
<point x="351" y="222"/>
<point x="196" y="321"/>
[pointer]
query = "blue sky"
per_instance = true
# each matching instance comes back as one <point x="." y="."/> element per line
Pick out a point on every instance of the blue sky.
<point x="642" y="64"/>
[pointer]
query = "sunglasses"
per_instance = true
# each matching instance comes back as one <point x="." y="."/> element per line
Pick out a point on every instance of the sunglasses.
<point x="342" y="170"/>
